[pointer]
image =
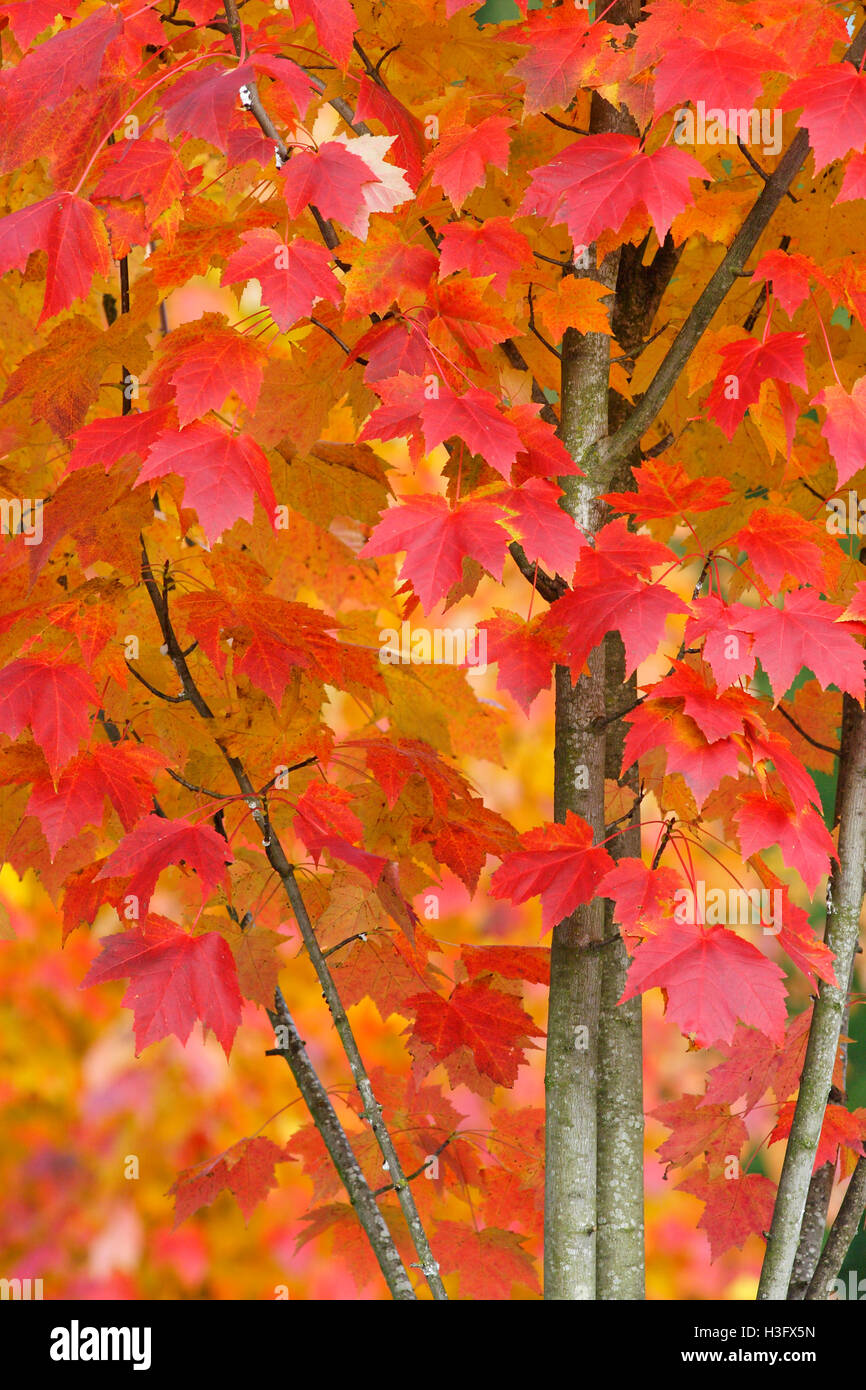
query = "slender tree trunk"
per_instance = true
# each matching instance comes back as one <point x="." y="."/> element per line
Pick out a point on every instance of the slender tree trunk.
<point x="827" y="1018"/>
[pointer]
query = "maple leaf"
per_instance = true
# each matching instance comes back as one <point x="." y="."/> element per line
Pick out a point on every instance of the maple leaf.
<point x="559" y="863"/>
<point x="844" y="427"/>
<point x="436" y="539"/>
<point x="735" y="1208"/>
<point x="833" y="99"/>
<point x="122" y="771"/>
<point x="68" y="61"/>
<point x="109" y="440"/>
<point x="728" y="642"/>
<point x="246" y="1170"/>
<point x="548" y="533"/>
<point x="790" y="274"/>
<point x="408" y="149"/>
<point x="523" y="654"/>
<point x="804" y="632"/>
<point x="333" y="178"/>
<point x="211" y="368"/>
<point x="723" y="70"/>
<point x="156" y="842"/>
<point x="746" y="363"/>
<point x="605" y="596"/>
<point x="70" y="231"/>
<point x="594" y="184"/>
<point x="459" y="158"/>
<point x="496" y="247"/>
<point x="221" y="472"/>
<point x="840" y="1128"/>
<point x="562" y="45"/>
<point x="530" y="963"/>
<point x="149" y="169"/>
<point x="699" y="1129"/>
<point x="800" y="834"/>
<point x="52" y="698"/>
<point x="174" y="979"/>
<point x="491" y="1024"/>
<point x="490" y="1261"/>
<point x="664" y="489"/>
<point x="643" y="896"/>
<point x="335" y="25"/>
<point x="574" y="304"/>
<point x="712" y="979"/>
<point x="779" y="543"/>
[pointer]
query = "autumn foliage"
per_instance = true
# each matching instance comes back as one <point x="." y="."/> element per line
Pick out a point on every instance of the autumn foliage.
<point x="289" y="291"/>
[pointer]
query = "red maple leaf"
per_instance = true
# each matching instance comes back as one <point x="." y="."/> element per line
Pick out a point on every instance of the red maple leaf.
<point x="157" y="842"/>
<point x="833" y="99"/>
<point x="332" y="178"/>
<point x="491" y="1024"/>
<point x="699" y="1129"/>
<point x="548" y="533"/>
<point x="70" y="231"/>
<point x="149" y="169"/>
<point x="109" y="440"/>
<point x="52" y="697"/>
<point x="409" y="146"/>
<point x="594" y="184"/>
<point x="723" y="70"/>
<point x="747" y="363"/>
<point x="292" y="277"/>
<point x="436" y="538"/>
<point x="174" y="979"/>
<point x="121" y="771"/>
<point x="562" y="45"/>
<point x="804" y="632"/>
<point x="496" y="247"/>
<point x="221" y="472"/>
<point x="779" y="543"/>
<point x="801" y="835"/>
<point x="664" y="489"/>
<point x="335" y="25"/>
<point x="712" y="979"/>
<point x="211" y="368"/>
<point x="458" y="160"/>
<point x="490" y="1261"/>
<point x="643" y="896"/>
<point x="559" y="863"/>
<point x="736" y="1208"/>
<point x="246" y="1170"/>
<point x="522" y="652"/>
<point x="530" y="963"/>
<point x="840" y="1128"/>
<point x="844" y="427"/>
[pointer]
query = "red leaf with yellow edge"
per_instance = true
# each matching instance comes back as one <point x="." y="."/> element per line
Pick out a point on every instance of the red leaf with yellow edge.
<point x="712" y="979"/>
<point x="558" y="863"/>
<point x="548" y="533"/>
<point x="221" y="472"/>
<point x="246" y="1170"/>
<point x="52" y="698"/>
<point x="490" y="1023"/>
<point x="292" y="277"/>
<point x="840" y="1128"/>
<point x="594" y="184"/>
<point x="562" y="46"/>
<point x="462" y="324"/>
<point x="698" y="1129"/>
<point x="664" y="489"/>
<point x="643" y="896"/>
<point x="458" y="161"/>
<point x="736" y="1208"/>
<point x="174" y="979"/>
<point x="155" y="843"/>
<point x="436" y="538"/>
